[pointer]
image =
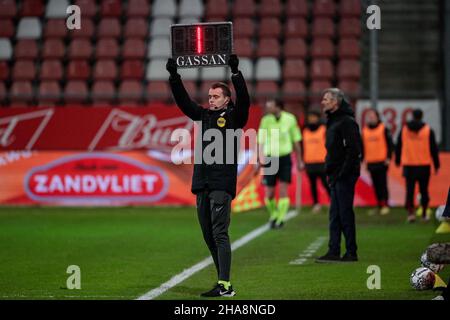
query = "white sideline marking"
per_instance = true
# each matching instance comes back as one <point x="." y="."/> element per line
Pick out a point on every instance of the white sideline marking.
<point x="309" y="251"/>
<point x="186" y="273"/>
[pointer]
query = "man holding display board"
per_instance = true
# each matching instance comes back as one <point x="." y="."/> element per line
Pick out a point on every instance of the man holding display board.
<point x="214" y="184"/>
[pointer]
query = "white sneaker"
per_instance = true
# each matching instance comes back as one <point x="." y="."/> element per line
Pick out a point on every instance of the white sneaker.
<point x="316" y="209"/>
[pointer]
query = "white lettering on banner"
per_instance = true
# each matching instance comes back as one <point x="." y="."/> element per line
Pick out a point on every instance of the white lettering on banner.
<point x="13" y="156"/>
<point x="395" y="113"/>
<point x="9" y="125"/>
<point x="138" y="132"/>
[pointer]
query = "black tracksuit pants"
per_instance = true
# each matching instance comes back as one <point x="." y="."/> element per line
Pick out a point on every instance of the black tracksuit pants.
<point x="342" y="216"/>
<point x="379" y="180"/>
<point x="214" y="209"/>
<point x="420" y="175"/>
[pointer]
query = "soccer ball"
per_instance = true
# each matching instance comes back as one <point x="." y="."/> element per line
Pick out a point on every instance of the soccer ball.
<point x="439" y="212"/>
<point x="422" y="279"/>
<point x="436" y="268"/>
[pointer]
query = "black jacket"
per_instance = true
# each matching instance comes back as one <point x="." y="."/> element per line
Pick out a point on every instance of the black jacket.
<point x="415" y="125"/>
<point x="343" y="144"/>
<point x="215" y="176"/>
<point x="389" y="144"/>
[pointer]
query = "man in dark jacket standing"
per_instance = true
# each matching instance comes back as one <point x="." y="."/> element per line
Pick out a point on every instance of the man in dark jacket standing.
<point x="214" y="183"/>
<point x="342" y="165"/>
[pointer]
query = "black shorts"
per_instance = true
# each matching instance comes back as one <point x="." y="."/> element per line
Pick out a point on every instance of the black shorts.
<point x="283" y="174"/>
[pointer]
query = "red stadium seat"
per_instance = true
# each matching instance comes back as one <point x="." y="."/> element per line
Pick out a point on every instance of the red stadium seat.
<point x="317" y="86"/>
<point x="87" y="29"/>
<point x="268" y="47"/>
<point x="80" y="49"/>
<point x="53" y="48"/>
<point x="321" y="69"/>
<point x="134" y="48"/>
<point x="7" y="29"/>
<point x="103" y="92"/>
<point x="349" y="48"/>
<point x="24" y="70"/>
<point x="105" y="70"/>
<point x="32" y="8"/>
<point x="324" y="8"/>
<point x="88" y="8"/>
<point x="191" y="87"/>
<point x="323" y="27"/>
<point x="322" y="48"/>
<point x="49" y="93"/>
<point x="107" y="48"/>
<point x="136" y="28"/>
<point x="349" y="87"/>
<point x="130" y="92"/>
<point x="51" y="70"/>
<point x="350" y="8"/>
<point x="132" y="69"/>
<point x="244" y="47"/>
<point x="78" y="70"/>
<point x="350" y="27"/>
<point x="243" y="28"/>
<point x="296" y="27"/>
<point x="295" y="48"/>
<point x="21" y="93"/>
<point x="158" y="90"/>
<point x="111" y="8"/>
<point x="294" y="69"/>
<point x="349" y="70"/>
<point x="297" y="8"/>
<point x="266" y="89"/>
<point x="244" y="8"/>
<point x="138" y="8"/>
<point x="109" y="27"/>
<point x="270" y="8"/>
<point x="75" y="92"/>
<point x="4" y="71"/>
<point x="8" y="9"/>
<point x="55" y="28"/>
<point x="293" y="91"/>
<point x="26" y="49"/>
<point x="269" y="27"/>
<point x="217" y="9"/>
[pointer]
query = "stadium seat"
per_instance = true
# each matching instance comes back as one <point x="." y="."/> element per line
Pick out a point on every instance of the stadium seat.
<point x="88" y="8"/>
<point x="156" y="70"/>
<point x="138" y="8"/>
<point x="56" y="9"/>
<point x="78" y="70"/>
<point x="268" y="47"/>
<point x="159" y="48"/>
<point x="266" y="89"/>
<point x="7" y="28"/>
<point x="49" y="93"/>
<point x="111" y="8"/>
<point x="293" y="91"/>
<point x="21" y="93"/>
<point x="24" y="70"/>
<point x="323" y="27"/>
<point x="188" y="73"/>
<point x="160" y="27"/>
<point x="296" y="27"/>
<point x="8" y="9"/>
<point x="26" y="49"/>
<point x="29" y="28"/>
<point x="103" y="92"/>
<point x="244" y="8"/>
<point x="296" y="8"/>
<point x="243" y="28"/>
<point x="349" y="48"/>
<point x="75" y="92"/>
<point x="80" y="49"/>
<point x="53" y="48"/>
<point x="133" y="48"/>
<point x="350" y="8"/>
<point x="214" y="73"/>
<point x="268" y="69"/>
<point x="130" y="92"/>
<point x="324" y="8"/>
<point x="132" y="69"/>
<point x="191" y="8"/>
<point x="191" y="88"/>
<point x="87" y="29"/>
<point x="247" y="69"/>
<point x="349" y="70"/>
<point x="269" y="27"/>
<point x="322" y="48"/>
<point x="350" y="27"/>
<point x="6" y="50"/>
<point x="294" y="69"/>
<point x="107" y="48"/>
<point x="105" y="70"/>
<point x="317" y="86"/>
<point x="109" y="27"/>
<point x="136" y="28"/>
<point x="295" y="48"/>
<point x="243" y="47"/>
<point x="189" y="20"/>
<point x="349" y="87"/>
<point x="321" y="69"/>
<point x="51" y="70"/>
<point x="4" y="71"/>
<point x="217" y="9"/>
<point x="158" y="90"/>
<point x="32" y="8"/>
<point x="272" y="8"/>
<point x="55" y="28"/>
<point x="164" y="8"/>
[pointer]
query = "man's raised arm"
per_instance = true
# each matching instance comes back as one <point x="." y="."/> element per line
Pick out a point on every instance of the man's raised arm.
<point x="242" y="96"/>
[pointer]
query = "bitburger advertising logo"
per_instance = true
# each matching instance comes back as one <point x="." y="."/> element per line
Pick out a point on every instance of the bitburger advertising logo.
<point x="96" y="178"/>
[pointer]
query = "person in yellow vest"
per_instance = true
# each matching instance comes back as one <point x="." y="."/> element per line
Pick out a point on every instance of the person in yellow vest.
<point x="377" y="152"/>
<point x="416" y="151"/>
<point x="278" y="135"/>
<point x="314" y="153"/>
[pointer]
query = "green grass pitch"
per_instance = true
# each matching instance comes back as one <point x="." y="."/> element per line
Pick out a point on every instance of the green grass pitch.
<point x="125" y="252"/>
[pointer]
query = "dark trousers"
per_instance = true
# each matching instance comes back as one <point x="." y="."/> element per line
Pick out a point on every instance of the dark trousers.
<point x="342" y="216"/>
<point x="379" y="180"/>
<point x="313" y="176"/>
<point x="214" y="209"/>
<point x="420" y="175"/>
